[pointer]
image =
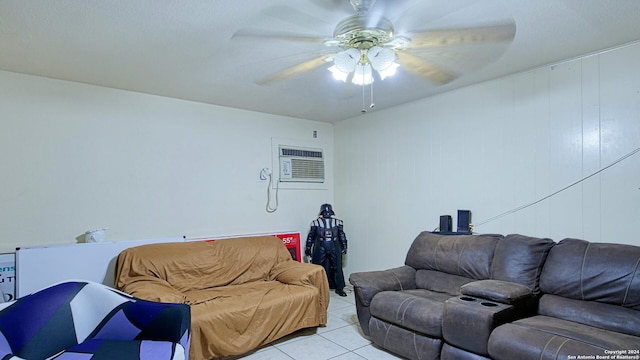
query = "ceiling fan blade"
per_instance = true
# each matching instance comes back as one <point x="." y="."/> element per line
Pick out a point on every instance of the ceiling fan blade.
<point x="391" y="9"/>
<point x="334" y="5"/>
<point x="294" y="16"/>
<point x="424" y="68"/>
<point x="491" y="33"/>
<point x="294" y="70"/>
<point x="261" y="34"/>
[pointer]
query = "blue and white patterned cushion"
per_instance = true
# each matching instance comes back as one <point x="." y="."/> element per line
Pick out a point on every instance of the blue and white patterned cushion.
<point x="84" y="320"/>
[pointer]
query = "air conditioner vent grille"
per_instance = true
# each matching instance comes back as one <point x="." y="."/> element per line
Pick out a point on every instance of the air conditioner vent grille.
<point x="307" y="169"/>
<point x="301" y="153"/>
<point x="301" y="165"/>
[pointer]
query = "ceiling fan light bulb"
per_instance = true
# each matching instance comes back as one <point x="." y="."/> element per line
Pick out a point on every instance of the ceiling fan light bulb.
<point x="363" y="75"/>
<point x="338" y="74"/>
<point x="381" y="58"/>
<point x="347" y="60"/>
<point x="389" y="71"/>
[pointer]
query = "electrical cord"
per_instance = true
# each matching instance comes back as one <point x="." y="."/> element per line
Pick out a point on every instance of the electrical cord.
<point x="268" y="207"/>
<point x="522" y="207"/>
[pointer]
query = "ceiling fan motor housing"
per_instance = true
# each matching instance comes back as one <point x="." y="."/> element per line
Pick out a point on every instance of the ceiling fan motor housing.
<point x="362" y="32"/>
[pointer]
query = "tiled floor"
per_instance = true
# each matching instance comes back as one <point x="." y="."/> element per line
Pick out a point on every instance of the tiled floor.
<point x="340" y="339"/>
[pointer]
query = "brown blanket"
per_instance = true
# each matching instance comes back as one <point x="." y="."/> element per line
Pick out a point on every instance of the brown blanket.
<point x="243" y="292"/>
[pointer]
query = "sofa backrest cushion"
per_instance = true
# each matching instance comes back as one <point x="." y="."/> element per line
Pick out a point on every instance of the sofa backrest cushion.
<point x="592" y="313"/>
<point x="441" y="282"/>
<point x="198" y="265"/>
<point x="603" y="272"/>
<point x="463" y="255"/>
<point x="519" y="258"/>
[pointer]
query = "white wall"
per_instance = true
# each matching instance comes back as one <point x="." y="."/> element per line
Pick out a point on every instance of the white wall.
<point x="78" y="157"/>
<point x="491" y="148"/>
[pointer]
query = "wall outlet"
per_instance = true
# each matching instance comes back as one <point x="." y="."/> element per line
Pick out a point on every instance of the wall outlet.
<point x="264" y="174"/>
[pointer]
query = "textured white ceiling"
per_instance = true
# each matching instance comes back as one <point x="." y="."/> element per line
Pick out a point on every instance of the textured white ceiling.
<point x="186" y="49"/>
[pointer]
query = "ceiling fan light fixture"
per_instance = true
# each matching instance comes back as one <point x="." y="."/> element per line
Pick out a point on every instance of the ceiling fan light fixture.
<point x="389" y="71"/>
<point x="362" y="63"/>
<point x="363" y="39"/>
<point x="347" y="60"/>
<point x="363" y="75"/>
<point x="338" y="74"/>
<point x="380" y="58"/>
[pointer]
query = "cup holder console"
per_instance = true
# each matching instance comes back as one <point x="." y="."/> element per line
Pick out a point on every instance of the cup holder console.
<point x="489" y="304"/>
<point x="471" y="299"/>
<point x="468" y="320"/>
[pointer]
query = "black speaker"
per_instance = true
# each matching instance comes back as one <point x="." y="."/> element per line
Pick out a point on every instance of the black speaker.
<point x="464" y="219"/>
<point x="445" y="223"/>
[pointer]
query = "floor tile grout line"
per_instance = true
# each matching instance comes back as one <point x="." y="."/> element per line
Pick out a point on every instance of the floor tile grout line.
<point x="285" y="354"/>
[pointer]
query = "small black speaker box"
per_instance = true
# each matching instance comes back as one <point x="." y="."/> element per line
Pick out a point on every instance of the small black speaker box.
<point x="445" y="223"/>
<point x="464" y="219"/>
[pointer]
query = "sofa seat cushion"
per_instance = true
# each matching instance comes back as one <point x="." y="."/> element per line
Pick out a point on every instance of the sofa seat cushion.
<point x="543" y="337"/>
<point x="404" y="342"/>
<point x="418" y="310"/>
<point x="238" y="317"/>
<point x="236" y="296"/>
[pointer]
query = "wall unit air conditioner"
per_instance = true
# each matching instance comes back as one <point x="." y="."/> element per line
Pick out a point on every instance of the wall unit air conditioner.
<point x="301" y="164"/>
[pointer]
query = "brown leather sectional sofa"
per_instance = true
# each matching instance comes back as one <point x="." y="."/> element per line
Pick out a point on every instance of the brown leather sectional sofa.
<point x="504" y="297"/>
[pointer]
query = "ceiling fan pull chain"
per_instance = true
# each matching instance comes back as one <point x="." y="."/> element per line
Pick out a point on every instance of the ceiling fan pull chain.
<point x="364" y="110"/>
<point x="372" y="105"/>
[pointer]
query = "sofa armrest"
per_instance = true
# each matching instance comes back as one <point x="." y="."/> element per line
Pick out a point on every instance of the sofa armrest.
<point x="152" y="289"/>
<point x="295" y="273"/>
<point x="503" y="292"/>
<point x="152" y="321"/>
<point x="368" y="284"/>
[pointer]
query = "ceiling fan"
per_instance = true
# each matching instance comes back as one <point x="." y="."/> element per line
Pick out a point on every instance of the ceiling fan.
<point x="365" y="44"/>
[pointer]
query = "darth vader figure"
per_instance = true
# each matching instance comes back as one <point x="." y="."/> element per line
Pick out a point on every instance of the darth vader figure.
<point x="325" y="245"/>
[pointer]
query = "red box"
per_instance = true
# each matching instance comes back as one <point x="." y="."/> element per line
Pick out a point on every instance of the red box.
<point x="292" y="242"/>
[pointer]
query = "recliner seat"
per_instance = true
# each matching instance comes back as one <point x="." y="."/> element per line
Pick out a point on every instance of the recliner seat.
<point x="590" y="306"/>
<point x="402" y="309"/>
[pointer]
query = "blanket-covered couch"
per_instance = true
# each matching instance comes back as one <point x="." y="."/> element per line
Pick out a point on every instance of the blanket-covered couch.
<point x="504" y="297"/>
<point x="243" y="292"/>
